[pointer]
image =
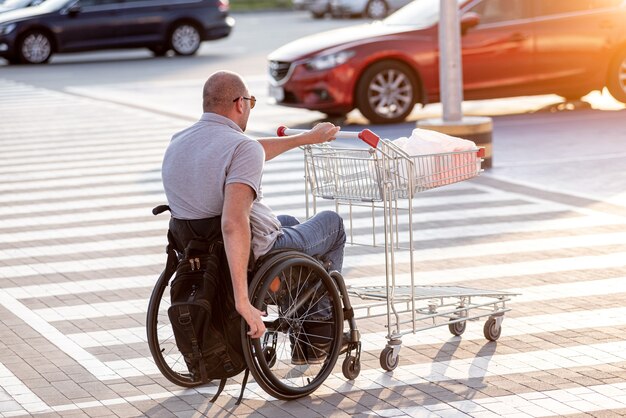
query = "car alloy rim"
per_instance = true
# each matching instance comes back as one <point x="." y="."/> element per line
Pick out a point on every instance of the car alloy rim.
<point x="376" y="9"/>
<point x="621" y="74"/>
<point x="36" y="48"/>
<point x="390" y="93"/>
<point x="185" y="39"/>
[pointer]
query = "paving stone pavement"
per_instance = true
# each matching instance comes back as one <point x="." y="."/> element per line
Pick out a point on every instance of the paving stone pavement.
<point x="80" y="252"/>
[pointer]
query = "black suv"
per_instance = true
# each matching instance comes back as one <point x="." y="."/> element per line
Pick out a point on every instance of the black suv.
<point x="32" y="34"/>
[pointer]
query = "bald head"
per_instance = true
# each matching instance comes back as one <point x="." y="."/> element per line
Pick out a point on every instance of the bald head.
<point x="220" y="90"/>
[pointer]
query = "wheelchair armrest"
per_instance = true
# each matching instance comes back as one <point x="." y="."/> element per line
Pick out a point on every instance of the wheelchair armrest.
<point x="160" y="209"/>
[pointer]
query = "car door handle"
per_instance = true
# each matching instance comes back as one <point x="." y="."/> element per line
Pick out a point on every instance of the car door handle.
<point x="606" y="24"/>
<point x="517" y="37"/>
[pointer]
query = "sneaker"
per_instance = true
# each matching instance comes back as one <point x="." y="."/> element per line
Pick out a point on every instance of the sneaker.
<point x="298" y="353"/>
<point x="315" y="354"/>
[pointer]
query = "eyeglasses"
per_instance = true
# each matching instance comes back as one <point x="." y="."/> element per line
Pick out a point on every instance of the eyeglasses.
<point x="251" y="98"/>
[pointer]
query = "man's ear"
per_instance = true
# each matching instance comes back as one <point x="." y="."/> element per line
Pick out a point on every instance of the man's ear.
<point x="239" y="106"/>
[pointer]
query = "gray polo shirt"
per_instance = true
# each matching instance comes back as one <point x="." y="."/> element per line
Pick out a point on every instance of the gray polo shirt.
<point x="201" y="160"/>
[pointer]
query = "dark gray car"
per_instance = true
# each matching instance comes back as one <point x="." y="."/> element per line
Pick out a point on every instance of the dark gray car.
<point x="31" y="35"/>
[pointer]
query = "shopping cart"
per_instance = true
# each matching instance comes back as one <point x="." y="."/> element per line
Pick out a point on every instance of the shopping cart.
<point x="383" y="179"/>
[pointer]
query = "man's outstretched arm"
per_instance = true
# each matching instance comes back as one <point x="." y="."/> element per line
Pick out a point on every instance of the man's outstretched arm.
<point x="238" y="198"/>
<point x="322" y="132"/>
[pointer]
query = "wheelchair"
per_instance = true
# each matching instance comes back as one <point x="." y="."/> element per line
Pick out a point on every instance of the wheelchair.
<point x="288" y="286"/>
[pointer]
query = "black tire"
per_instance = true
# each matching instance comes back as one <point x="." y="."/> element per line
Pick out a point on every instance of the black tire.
<point x="378" y="99"/>
<point x="492" y="330"/>
<point x="185" y="39"/>
<point x="161" y="338"/>
<point x="158" y="51"/>
<point x="387" y="362"/>
<point x="318" y="15"/>
<point x="616" y="82"/>
<point x="376" y="9"/>
<point x="34" y="47"/>
<point x="351" y="367"/>
<point x="288" y="291"/>
<point x="573" y="96"/>
<point x="458" y="328"/>
<point x="13" y="59"/>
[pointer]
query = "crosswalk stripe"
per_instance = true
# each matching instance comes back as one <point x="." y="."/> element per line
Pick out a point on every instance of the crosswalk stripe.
<point x="474" y="250"/>
<point x="559" y="402"/>
<point x="456" y="369"/>
<point x="160" y="224"/>
<point x="364" y="221"/>
<point x="375" y="341"/>
<point x="518" y="269"/>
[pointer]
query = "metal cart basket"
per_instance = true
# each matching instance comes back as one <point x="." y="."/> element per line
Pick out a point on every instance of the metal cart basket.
<point x="383" y="179"/>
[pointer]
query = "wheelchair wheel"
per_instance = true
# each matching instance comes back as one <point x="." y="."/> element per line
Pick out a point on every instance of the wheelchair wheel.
<point x="161" y="338"/>
<point x="304" y="326"/>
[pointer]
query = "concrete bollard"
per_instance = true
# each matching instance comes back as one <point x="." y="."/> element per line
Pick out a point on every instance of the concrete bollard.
<point x="475" y="128"/>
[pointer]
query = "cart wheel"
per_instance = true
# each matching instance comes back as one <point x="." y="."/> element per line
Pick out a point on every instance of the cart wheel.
<point x="387" y="361"/>
<point x="458" y="328"/>
<point x="270" y="356"/>
<point x="351" y="367"/>
<point x="491" y="329"/>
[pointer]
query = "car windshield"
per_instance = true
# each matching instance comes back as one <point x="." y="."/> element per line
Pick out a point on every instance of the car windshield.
<point x="51" y="5"/>
<point x="16" y="4"/>
<point x="419" y="13"/>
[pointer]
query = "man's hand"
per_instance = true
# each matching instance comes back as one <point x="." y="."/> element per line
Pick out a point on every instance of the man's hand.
<point x="253" y="318"/>
<point x="322" y="132"/>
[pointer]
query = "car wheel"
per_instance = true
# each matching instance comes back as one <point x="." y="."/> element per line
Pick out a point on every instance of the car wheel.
<point x="376" y="9"/>
<point x="35" y="48"/>
<point x="617" y="77"/>
<point x="185" y="39"/>
<point x="387" y="92"/>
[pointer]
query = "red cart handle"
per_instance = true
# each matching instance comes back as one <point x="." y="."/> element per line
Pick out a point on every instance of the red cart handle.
<point x="367" y="136"/>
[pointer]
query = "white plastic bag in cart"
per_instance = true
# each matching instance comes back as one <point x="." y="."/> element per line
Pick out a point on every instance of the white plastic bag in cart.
<point x="438" y="159"/>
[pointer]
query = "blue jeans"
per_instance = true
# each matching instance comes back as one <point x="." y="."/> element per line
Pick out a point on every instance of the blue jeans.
<point x="323" y="237"/>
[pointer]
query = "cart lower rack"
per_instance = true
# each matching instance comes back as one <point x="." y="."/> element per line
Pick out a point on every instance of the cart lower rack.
<point x="384" y="180"/>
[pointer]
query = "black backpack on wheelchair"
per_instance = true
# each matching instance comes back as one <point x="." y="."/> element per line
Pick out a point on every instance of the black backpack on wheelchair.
<point x="205" y="323"/>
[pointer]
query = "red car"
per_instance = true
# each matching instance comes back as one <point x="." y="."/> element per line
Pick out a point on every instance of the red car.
<point x="509" y="47"/>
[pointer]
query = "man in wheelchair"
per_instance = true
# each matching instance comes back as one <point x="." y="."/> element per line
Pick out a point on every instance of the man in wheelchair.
<point x="212" y="176"/>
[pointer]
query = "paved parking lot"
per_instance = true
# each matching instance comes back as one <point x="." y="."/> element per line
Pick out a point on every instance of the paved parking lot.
<point x="80" y="251"/>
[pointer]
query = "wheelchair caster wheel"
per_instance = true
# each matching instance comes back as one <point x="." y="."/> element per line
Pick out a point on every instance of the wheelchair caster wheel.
<point x="351" y="367"/>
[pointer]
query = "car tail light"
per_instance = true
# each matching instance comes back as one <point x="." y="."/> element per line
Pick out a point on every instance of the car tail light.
<point x="223" y="5"/>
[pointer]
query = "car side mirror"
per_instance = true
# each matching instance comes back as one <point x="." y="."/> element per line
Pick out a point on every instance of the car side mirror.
<point x="74" y="9"/>
<point x="468" y="21"/>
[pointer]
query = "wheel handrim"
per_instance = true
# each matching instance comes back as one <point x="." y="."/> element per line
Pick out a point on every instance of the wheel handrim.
<point x="376" y="9"/>
<point x="36" y="48"/>
<point x="185" y="39"/>
<point x="390" y="93"/>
